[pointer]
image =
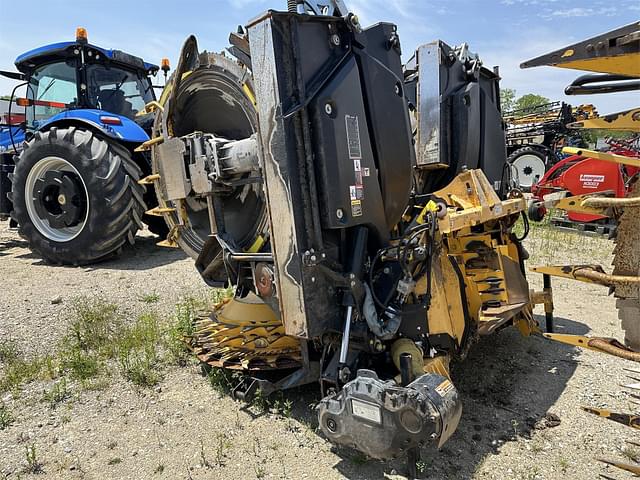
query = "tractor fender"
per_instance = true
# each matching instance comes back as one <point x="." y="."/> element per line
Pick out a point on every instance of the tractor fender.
<point x="126" y="131"/>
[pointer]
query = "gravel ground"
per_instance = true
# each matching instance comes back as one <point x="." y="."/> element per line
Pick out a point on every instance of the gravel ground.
<point x="514" y="391"/>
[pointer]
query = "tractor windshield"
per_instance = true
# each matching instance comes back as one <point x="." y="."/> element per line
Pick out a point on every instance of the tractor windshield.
<point x="119" y="91"/>
<point x="54" y="82"/>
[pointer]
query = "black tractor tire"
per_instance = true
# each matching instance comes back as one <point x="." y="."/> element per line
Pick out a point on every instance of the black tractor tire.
<point x="112" y="199"/>
<point x="521" y="152"/>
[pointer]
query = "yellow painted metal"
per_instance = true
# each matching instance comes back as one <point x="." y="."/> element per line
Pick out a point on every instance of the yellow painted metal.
<point x="146" y="146"/>
<point x="172" y="238"/>
<point x="627" y="419"/>
<point x="472" y="192"/>
<point x="628" y="65"/>
<point x="581" y="112"/>
<point x="257" y="245"/>
<point x="406" y="345"/>
<point x="150" y="107"/>
<point x="574" y="340"/>
<point x="568" y="271"/>
<point x="244" y="333"/>
<point x="576" y="204"/>
<point x="629" y="120"/>
<point x="166" y="243"/>
<point x="439" y="365"/>
<point x="249" y="93"/>
<point x="159" y="211"/>
<point x="149" y="179"/>
<point x="622" y="466"/>
<point x="431" y="206"/>
<point x="607" y="157"/>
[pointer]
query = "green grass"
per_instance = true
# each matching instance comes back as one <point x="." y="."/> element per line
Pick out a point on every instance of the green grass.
<point x="57" y="394"/>
<point x="17" y="369"/>
<point x="182" y="326"/>
<point x="114" y="461"/>
<point x="95" y="325"/>
<point x="6" y="418"/>
<point x="138" y="351"/>
<point x="150" y="297"/>
<point x="631" y="453"/>
<point x="100" y="341"/>
<point x="33" y="463"/>
<point x="549" y="245"/>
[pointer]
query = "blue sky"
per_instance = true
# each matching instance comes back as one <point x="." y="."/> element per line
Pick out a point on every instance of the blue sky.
<point x="503" y="32"/>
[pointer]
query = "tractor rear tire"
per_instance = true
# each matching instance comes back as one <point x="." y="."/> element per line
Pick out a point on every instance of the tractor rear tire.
<point x="75" y="196"/>
<point x="530" y="163"/>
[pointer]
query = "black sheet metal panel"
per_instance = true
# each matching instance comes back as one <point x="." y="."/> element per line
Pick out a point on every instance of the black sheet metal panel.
<point x="327" y="166"/>
<point x="387" y="108"/>
<point x="459" y="120"/>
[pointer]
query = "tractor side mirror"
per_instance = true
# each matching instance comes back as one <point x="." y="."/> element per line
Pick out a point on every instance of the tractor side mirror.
<point x="14" y="75"/>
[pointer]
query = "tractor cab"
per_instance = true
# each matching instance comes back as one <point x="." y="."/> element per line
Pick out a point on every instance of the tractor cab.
<point x="77" y="75"/>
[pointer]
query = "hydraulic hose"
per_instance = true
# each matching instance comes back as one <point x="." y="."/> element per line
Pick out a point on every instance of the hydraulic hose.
<point x="376" y="325"/>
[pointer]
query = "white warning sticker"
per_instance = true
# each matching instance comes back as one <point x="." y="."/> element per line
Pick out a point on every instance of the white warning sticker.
<point x="353" y="137"/>
<point x="366" y="410"/>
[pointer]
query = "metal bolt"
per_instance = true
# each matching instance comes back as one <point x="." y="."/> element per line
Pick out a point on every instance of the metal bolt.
<point x="76" y="51"/>
<point x="328" y="109"/>
<point x="331" y="425"/>
<point x="62" y="199"/>
<point x="313" y="279"/>
<point x="339" y="213"/>
<point x="397" y="89"/>
<point x="353" y="284"/>
<point x="313" y="258"/>
<point x="335" y="39"/>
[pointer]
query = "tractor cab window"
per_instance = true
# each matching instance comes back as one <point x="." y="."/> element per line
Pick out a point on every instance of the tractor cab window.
<point x="54" y="82"/>
<point x="116" y="90"/>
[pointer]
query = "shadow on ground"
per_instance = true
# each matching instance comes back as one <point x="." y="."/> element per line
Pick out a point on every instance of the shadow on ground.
<point x="9" y="243"/>
<point x="143" y="255"/>
<point x="507" y="383"/>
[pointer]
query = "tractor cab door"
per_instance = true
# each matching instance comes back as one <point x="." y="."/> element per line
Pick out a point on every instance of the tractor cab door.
<point x="52" y="88"/>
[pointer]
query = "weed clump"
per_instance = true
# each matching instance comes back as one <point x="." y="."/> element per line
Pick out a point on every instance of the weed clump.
<point x="138" y="351"/>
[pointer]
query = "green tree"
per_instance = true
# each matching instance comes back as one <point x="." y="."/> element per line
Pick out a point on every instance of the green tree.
<point x="530" y="100"/>
<point x="507" y="99"/>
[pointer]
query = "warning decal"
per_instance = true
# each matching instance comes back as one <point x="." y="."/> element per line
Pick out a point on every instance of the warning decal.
<point x="353" y="137"/>
<point x="356" y="208"/>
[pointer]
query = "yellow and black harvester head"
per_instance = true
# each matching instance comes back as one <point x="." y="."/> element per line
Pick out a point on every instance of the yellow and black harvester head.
<point x="360" y="208"/>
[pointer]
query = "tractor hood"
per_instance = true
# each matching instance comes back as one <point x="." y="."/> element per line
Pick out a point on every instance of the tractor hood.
<point x="55" y="51"/>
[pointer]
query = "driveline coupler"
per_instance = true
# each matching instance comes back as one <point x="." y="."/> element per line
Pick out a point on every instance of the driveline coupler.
<point x="383" y="420"/>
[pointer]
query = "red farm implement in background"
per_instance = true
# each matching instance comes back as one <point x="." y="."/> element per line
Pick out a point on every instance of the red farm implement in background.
<point x="583" y="175"/>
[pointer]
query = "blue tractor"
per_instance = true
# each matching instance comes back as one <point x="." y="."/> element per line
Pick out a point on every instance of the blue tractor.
<point x="69" y="172"/>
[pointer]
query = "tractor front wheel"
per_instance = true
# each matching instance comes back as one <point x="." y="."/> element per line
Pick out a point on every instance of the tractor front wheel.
<point x="75" y="196"/>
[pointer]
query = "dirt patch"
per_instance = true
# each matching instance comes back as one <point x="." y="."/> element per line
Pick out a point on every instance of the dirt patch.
<point x="521" y="396"/>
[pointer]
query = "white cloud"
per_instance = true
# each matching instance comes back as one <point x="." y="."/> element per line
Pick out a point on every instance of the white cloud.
<point x="580" y="12"/>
